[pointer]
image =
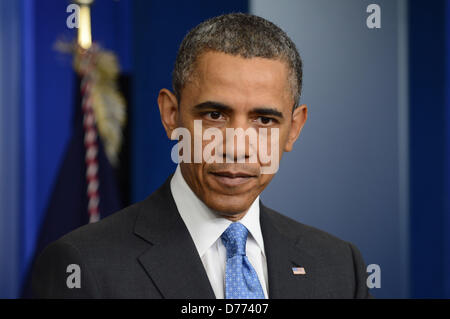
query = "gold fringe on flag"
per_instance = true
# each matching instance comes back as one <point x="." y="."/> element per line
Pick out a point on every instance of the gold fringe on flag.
<point x="108" y="103"/>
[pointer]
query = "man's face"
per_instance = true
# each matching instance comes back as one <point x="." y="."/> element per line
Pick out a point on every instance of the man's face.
<point x="229" y="91"/>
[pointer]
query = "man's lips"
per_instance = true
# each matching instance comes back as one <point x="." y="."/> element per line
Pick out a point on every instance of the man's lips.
<point x="230" y="178"/>
<point x="232" y="174"/>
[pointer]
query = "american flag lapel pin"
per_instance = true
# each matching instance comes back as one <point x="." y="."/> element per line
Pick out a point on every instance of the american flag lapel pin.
<point x="298" y="271"/>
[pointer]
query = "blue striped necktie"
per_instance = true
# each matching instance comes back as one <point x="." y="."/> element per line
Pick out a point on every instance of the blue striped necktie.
<point x="241" y="280"/>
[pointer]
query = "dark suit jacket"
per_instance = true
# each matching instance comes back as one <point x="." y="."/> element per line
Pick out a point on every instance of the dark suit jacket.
<point x="146" y="251"/>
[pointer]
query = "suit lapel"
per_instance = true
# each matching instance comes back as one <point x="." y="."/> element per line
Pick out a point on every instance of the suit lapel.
<point x="172" y="261"/>
<point x="282" y="255"/>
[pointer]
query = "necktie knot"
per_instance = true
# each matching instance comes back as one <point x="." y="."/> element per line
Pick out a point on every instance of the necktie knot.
<point x="234" y="238"/>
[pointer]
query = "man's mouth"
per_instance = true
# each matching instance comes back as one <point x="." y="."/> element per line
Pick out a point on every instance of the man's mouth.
<point x="232" y="178"/>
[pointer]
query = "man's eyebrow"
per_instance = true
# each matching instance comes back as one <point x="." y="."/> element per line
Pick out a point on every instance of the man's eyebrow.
<point x="267" y="111"/>
<point x="208" y="105"/>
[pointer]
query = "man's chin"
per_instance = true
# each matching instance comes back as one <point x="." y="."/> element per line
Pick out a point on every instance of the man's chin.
<point x="228" y="206"/>
<point x="231" y="189"/>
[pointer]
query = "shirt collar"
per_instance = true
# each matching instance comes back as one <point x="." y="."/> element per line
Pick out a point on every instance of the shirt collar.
<point x="205" y="225"/>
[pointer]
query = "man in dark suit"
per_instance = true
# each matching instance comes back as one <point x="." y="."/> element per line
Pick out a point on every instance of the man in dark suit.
<point x="204" y="233"/>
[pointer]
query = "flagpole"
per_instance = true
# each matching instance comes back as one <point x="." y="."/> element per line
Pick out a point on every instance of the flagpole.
<point x="87" y="54"/>
<point x="104" y="109"/>
<point x="84" y="27"/>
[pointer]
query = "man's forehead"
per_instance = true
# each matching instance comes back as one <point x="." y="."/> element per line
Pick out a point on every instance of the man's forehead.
<point x="236" y="78"/>
<point x="222" y="66"/>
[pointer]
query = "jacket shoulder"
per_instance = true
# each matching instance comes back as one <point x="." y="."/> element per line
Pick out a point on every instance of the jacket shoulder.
<point x="333" y="256"/>
<point x="115" y="227"/>
<point x="308" y="235"/>
<point x="97" y="250"/>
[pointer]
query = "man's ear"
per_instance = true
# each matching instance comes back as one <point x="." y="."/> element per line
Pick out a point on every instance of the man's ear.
<point x="298" y="121"/>
<point x="168" y="109"/>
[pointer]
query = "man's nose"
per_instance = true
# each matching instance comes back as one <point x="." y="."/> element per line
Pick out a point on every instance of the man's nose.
<point x="239" y="139"/>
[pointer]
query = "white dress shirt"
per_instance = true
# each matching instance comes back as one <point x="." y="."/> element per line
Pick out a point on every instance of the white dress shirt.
<point x="206" y="226"/>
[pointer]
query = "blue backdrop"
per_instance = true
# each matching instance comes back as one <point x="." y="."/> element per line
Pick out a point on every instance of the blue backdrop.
<point x="429" y="123"/>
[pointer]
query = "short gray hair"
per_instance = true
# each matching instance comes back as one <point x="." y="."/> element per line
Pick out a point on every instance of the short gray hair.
<point x="240" y="34"/>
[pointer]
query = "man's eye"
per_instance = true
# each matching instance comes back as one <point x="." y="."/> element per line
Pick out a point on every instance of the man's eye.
<point x="265" y="120"/>
<point x="214" y="115"/>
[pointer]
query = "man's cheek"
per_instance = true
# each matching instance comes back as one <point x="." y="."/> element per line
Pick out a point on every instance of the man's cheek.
<point x="269" y="150"/>
<point x="264" y="180"/>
